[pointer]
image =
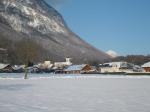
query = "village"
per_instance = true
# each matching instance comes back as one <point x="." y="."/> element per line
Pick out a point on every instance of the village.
<point x="67" y="67"/>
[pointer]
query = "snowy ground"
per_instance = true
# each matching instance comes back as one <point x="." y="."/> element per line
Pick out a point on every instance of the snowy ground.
<point x="75" y="94"/>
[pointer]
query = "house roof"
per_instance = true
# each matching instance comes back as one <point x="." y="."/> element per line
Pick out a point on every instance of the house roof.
<point x="17" y="67"/>
<point x="2" y="49"/>
<point x="75" y="67"/>
<point x="117" y="64"/>
<point x="3" y="65"/>
<point x="146" y="65"/>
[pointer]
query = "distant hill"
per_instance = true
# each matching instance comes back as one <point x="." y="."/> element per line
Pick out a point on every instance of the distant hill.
<point x="33" y="30"/>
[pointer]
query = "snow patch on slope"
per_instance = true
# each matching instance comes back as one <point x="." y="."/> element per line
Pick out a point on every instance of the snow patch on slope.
<point x="112" y="53"/>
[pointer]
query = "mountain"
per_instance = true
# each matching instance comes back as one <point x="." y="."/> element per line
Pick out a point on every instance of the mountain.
<point x="33" y="30"/>
<point x="112" y="53"/>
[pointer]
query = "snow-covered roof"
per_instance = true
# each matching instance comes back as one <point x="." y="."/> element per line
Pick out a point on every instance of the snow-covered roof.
<point x="116" y="64"/>
<point x="2" y="49"/>
<point x="75" y="67"/>
<point x="3" y="65"/>
<point x="146" y="65"/>
<point x="17" y="67"/>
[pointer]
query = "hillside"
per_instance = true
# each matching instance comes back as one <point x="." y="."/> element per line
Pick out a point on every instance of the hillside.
<point x="33" y="30"/>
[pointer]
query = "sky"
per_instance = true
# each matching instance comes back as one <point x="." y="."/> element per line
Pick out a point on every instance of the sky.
<point x="119" y="25"/>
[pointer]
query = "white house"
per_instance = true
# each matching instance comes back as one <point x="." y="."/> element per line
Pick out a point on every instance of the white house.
<point x="63" y="64"/>
<point x="45" y="65"/>
<point x="116" y="67"/>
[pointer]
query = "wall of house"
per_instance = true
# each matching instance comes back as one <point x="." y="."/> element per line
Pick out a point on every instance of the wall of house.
<point x="110" y="69"/>
<point x="87" y="68"/>
<point x="147" y="69"/>
<point x="73" y="72"/>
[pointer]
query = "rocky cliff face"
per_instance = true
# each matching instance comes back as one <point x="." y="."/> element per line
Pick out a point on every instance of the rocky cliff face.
<point x="36" y="21"/>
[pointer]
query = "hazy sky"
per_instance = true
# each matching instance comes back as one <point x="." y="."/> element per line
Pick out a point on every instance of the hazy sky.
<point x="119" y="25"/>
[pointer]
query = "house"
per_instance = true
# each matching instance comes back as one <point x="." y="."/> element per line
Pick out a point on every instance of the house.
<point x="18" y="68"/>
<point x="146" y="67"/>
<point x="6" y="68"/>
<point x="114" y="67"/>
<point x="45" y="65"/>
<point x="63" y="64"/>
<point x="33" y="69"/>
<point x="78" y="69"/>
<point x="137" y="68"/>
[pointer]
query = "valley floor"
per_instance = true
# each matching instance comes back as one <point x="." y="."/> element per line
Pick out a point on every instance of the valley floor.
<point x="75" y="94"/>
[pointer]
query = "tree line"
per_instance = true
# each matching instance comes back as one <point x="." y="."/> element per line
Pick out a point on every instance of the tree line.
<point x="135" y="59"/>
<point x="21" y="51"/>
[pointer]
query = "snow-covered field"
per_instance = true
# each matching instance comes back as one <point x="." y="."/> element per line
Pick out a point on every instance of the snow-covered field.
<point x="74" y="93"/>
